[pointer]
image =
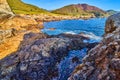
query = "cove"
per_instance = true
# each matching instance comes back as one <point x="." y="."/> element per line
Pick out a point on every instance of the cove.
<point x="93" y="28"/>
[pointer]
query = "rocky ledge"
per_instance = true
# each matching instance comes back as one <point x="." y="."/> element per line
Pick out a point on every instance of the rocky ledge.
<point x="103" y="61"/>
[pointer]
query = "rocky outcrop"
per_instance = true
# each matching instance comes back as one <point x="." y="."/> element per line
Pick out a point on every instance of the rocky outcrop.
<point x="19" y="23"/>
<point x="4" y="7"/>
<point x="103" y="61"/>
<point x="38" y="57"/>
<point x="5" y="11"/>
<point x="4" y="34"/>
<point x="112" y="23"/>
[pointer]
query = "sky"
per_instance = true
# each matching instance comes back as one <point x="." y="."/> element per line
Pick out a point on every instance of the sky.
<point x="55" y="4"/>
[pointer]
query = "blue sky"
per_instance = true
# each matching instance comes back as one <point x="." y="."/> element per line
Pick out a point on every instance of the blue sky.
<point x="54" y="4"/>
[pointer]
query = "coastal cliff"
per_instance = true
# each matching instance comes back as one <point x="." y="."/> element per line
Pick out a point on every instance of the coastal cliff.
<point x="103" y="61"/>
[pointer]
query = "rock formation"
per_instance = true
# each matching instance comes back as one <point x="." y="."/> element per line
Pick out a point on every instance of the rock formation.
<point x="5" y="11"/>
<point x="38" y="56"/>
<point x="103" y="61"/>
<point x="7" y="34"/>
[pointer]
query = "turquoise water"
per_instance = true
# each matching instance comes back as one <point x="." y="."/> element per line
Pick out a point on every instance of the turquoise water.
<point x="94" y="26"/>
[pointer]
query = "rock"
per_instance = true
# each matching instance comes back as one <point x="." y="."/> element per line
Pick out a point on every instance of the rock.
<point x="5" y="11"/>
<point x="19" y="23"/>
<point x="51" y="29"/>
<point x="112" y="23"/>
<point x="103" y="61"/>
<point x="4" y="7"/>
<point x="4" y="34"/>
<point x="38" y="56"/>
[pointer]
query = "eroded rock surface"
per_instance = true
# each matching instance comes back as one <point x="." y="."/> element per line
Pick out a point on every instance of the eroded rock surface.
<point x="4" y="34"/>
<point x="103" y="61"/>
<point x="5" y="11"/>
<point x="38" y="56"/>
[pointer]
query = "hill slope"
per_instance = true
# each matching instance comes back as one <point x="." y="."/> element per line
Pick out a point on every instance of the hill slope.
<point x="111" y="12"/>
<point x="19" y="7"/>
<point x="80" y="10"/>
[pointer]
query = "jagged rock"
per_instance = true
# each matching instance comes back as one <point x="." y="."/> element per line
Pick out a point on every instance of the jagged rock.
<point x="103" y="61"/>
<point x="112" y="23"/>
<point x="37" y="57"/>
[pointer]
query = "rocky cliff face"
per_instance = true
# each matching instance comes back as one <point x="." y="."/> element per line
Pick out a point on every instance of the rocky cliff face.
<point x="4" y="7"/>
<point x="5" y="11"/>
<point x="103" y="61"/>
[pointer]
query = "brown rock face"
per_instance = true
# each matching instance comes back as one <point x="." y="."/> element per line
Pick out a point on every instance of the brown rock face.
<point x="112" y="23"/>
<point x="103" y="61"/>
<point x="5" y="11"/>
<point x="4" y="7"/>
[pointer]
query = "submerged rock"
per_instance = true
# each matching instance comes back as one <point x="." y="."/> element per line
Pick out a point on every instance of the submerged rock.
<point x="103" y="61"/>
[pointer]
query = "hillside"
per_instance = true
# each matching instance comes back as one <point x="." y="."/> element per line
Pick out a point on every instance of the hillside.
<point x="19" y="7"/>
<point x="111" y="12"/>
<point x="81" y="10"/>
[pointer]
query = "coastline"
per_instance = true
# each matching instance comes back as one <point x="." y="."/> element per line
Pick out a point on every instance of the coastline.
<point x="29" y="23"/>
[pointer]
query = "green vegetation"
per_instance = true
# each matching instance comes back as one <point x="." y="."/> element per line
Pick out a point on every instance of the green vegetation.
<point x="19" y="7"/>
<point x="111" y="12"/>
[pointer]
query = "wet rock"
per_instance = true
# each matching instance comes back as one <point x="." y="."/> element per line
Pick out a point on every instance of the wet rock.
<point x="103" y="61"/>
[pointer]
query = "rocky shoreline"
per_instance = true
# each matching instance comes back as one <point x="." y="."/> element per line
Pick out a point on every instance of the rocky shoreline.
<point x="28" y="54"/>
<point x="38" y="55"/>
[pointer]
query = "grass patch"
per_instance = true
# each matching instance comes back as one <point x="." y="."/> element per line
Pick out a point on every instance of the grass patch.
<point x="19" y="7"/>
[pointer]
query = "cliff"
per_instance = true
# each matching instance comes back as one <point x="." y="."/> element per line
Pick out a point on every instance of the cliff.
<point x="103" y="61"/>
<point x="4" y="7"/>
<point x="5" y="10"/>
